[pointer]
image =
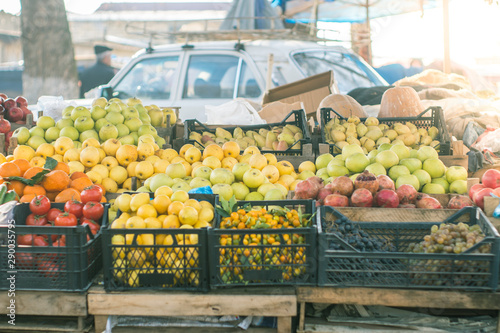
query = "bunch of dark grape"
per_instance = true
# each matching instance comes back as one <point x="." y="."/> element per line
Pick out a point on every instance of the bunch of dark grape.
<point x="449" y="238"/>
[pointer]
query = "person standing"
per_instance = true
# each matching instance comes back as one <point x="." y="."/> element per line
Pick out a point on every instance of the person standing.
<point x="100" y="73"/>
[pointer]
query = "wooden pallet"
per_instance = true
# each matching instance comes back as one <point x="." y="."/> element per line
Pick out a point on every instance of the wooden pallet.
<point x="239" y="302"/>
<point x="397" y="298"/>
<point x="47" y="311"/>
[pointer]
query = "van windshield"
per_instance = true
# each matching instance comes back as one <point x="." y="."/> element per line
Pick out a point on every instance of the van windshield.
<point x="349" y="71"/>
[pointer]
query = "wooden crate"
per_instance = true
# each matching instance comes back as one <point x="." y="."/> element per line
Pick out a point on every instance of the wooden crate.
<point x="47" y="311"/>
<point x="274" y="302"/>
<point x="307" y="155"/>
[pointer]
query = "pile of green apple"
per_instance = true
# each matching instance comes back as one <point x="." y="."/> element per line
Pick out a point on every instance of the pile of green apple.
<point x="370" y="134"/>
<point x="420" y="168"/>
<point x="105" y="120"/>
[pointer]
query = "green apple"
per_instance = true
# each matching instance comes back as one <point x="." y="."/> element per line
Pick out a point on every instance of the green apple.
<point x="45" y="122"/>
<point x="100" y="123"/>
<point x="140" y="108"/>
<point x="264" y="188"/>
<point x="274" y="194"/>
<point x="434" y="166"/>
<point x="51" y="134"/>
<point x="223" y="190"/>
<point x="423" y="177"/>
<point x="455" y="172"/>
<point x="411" y="163"/>
<point x="112" y="107"/>
<point x="253" y="178"/>
<point x="101" y="101"/>
<point x="443" y="182"/>
<point x="426" y="152"/>
<point x="357" y="162"/>
<point x="181" y="186"/>
<point x="133" y="123"/>
<point x="35" y="141"/>
<point x="80" y="111"/>
<point x="203" y="172"/>
<point x="88" y="134"/>
<point x="306" y="174"/>
<point x="158" y="180"/>
<point x="433" y="188"/>
<point x="70" y="132"/>
<point x="199" y="182"/>
<point x="401" y="150"/>
<point x="458" y="186"/>
<point x="108" y="131"/>
<point x="240" y="190"/>
<point x="387" y="158"/>
<point x="156" y="117"/>
<point x="22" y="134"/>
<point x="146" y="129"/>
<point x="84" y="123"/>
<point x="322" y="173"/>
<point x="122" y="130"/>
<point x="413" y="153"/>
<point x="67" y="110"/>
<point x="37" y="131"/>
<point x="160" y="141"/>
<point x="142" y="189"/>
<point x="221" y="175"/>
<point x="398" y="170"/>
<point x="239" y="170"/>
<point x="61" y="123"/>
<point x="135" y="136"/>
<point x="127" y="140"/>
<point x="130" y="112"/>
<point x="407" y="179"/>
<point x="337" y="161"/>
<point x="377" y="169"/>
<point x="254" y="196"/>
<point x="144" y="117"/>
<point x="97" y="112"/>
<point x="115" y="118"/>
<point x="131" y="101"/>
<point x="323" y="160"/>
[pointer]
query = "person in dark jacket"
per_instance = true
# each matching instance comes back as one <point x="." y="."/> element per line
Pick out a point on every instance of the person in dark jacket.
<point x="100" y="73"/>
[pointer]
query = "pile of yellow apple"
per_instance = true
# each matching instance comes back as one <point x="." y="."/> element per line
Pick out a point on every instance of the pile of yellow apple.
<point x="170" y="252"/>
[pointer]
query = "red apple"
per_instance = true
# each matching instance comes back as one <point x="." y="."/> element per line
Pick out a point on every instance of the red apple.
<point x="9" y="103"/>
<point x="474" y="188"/>
<point x="15" y="114"/>
<point x="491" y="178"/>
<point x="26" y="112"/>
<point x="479" y="197"/>
<point x="21" y="101"/>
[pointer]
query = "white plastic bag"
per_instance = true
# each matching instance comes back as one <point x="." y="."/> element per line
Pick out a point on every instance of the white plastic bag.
<point x="235" y="112"/>
<point x="52" y="106"/>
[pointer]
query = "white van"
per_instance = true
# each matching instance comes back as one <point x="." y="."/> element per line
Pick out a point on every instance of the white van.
<point x="211" y="73"/>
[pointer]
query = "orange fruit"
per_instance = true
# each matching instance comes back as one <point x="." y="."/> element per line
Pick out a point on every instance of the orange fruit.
<point x="35" y="189"/>
<point x="103" y="199"/>
<point x="102" y="188"/>
<point x="17" y="186"/>
<point x="67" y="195"/>
<point x="32" y="172"/>
<point x="62" y="166"/>
<point x="27" y="197"/>
<point x="56" y="181"/>
<point x="22" y="164"/>
<point x="78" y="174"/>
<point x="2" y="180"/>
<point x="9" y="169"/>
<point x="81" y="183"/>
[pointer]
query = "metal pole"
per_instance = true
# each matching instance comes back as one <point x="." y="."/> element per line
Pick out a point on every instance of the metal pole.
<point x="369" y="48"/>
<point x="446" y="32"/>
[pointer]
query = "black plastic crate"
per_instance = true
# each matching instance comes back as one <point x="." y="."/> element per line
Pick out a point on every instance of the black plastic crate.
<point x="342" y="265"/>
<point x="291" y="261"/>
<point x="297" y="118"/>
<point x="67" y="268"/>
<point x="175" y="265"/>
<point x="435" y="119"/>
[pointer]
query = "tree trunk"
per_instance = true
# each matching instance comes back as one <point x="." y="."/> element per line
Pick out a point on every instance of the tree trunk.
<point x="49" y="61"/>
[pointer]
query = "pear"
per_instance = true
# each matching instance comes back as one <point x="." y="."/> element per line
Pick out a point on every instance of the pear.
<point x="261" y="141"/>
<point x="195" y="136"/>
<point x="220" y="141"/>
<point x="363" y="140"/>
<point x="250" y="134"/>
<point x="222" y="133"/>
<point x="425" y="140"/>
<point x="242" y="143"/>
<point x="382" y="140"/>
<point x="286" y="130"/>
<point x="275" y="145"/>
<point x="293" y="128"/>
<point x="351" y="133"/>
<point x="331" y="123"/>
<point x="417" y="137"/>
<point x="296" y="146"/>
<point x="408" y="139"/>
<point x="433" y="132"/>
<point x="401" y="129"/>
<point x="270" y="138"/>
<point x="250" y="141"/>
<point x="282" y="145"/>
<point x="371" y="121"/>
<point x="209" y="134"/>
<point x="422" y="132"/>
<point x="391" y="134"/>
<point x="435" y="144"/>
<point x="298" y="136"/>
<point x="287" y="137"/>
<point x="372" y="128"/>
<point x="263" y="132"/>
<point x="369" y="144"/>
<point x="338" y="127"/>
<point x="361" y="129"/>
<point x="383" y="127"/>
<point x="354" y="119"/>
<point x="238" y="133"/>
<point x="411" y="126"/>
<point x="353" y="141"/>
<point x="350" y="127"/>
<point x="374" y="134"/>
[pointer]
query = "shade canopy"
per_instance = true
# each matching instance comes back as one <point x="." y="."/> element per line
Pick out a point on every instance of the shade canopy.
<point x="251" y="15"/>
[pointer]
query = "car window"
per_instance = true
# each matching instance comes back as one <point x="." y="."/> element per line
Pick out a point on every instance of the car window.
<point x="349" y="72"/>
<point x="210" y="76"/>
<point x="248" y="86"/>
<point x="149" y="78"/>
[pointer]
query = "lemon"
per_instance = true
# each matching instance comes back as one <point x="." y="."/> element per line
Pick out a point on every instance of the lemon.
<point x="206" y="204"/>
<point x="179" y="195"/>
<point x="136" y="258"/>
<point x="193" y="239"/>
<point x="188" y="215"/>
<point x="139" y="200"/>
<point x="206" y="214"/>
<point x="153" y="223"/>
<point x="165" y="190"/>
<point x="201" y="224"/>
<point x="168" y="241"/>
<point x="118" y="224"/>
<point x="146" y="211"/>
<point x="161" y="203"/>
<point x="175" y="207"/>
<point x="171" y="221"/>
<point x="135" y="222"/>
<point x="162" y="217"/>
<point x="123" y="202"/>
<point x="193" y="203"/>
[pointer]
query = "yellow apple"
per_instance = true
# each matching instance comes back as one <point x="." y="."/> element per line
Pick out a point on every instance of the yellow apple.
<point x="95" y="177"/>
<point x="192" y="155"/>
<point x="89" y="156"/>
<point x="91" y="142"/>
<point x="75" y="166"/>
<point x="110" y="146"/>
<point x="213" y="150"/>
<point x="271" y="172"/>
<point x="144" y="150"/>
<point x="126" y="154"/>
<point x="62" y="145"/>
<point x="285" y="168"/>
<point x="101" y="169"/>
<point x="45" y="150"/>
<point x="110" y="185"/>
<point x="144" y="170"/>
<point x="212" y="162"/>
<point x="119" y="174"/>
<point x="131" y="168"/>
<point x="161" y="165"/>
<point x="109" y="162"/>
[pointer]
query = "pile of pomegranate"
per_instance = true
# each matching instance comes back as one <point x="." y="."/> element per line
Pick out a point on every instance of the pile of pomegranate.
<point x="14" y="110"/>
<point x="369" y="190"/>
<point x="489" y="186"/>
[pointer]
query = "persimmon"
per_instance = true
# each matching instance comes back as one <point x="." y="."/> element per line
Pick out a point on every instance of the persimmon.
<point x="56" y="181"/>
<point x="62" y="166"/>
<point x="67" y="195"/>
<point x="27" y="197"/>
<point x="22" y="164"/>
<point x="17" y="186"/>
<point x="35" y="189"/>
<point x="32" y="172"/>
<point x="9" y="169"/>
<point x="81" y="183"/>
<point x="78" y="174"/>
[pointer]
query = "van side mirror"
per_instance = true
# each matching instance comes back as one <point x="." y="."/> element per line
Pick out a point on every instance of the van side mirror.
<point x="106" y="91"/>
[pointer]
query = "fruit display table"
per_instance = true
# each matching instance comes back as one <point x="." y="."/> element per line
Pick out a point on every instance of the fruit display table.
<point x="273" y="302"/>
<point x="45" y="311"/>
<point x="396" y="298"/>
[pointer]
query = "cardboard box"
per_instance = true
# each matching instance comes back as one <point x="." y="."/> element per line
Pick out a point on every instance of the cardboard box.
<point x="310" y="91"/>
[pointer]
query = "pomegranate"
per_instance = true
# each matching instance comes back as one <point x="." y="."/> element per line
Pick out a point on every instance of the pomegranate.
<point x="407" y="206"/>
<point x="407" y="194"/>
<point x="427" y="202"/>
<point x="342" y="184"/>
<point x="15" y="114"/>
<point x="21" y="101"/>
<point x="309" y="188"/>
<point x="9" y="103"/>
<point x="336" y="200"/>
<point x="361" y="197"/>
<point x="385" y="182"/>
<point x="4" y="125"/>
<point x="366" y="180"/>
<point x="26" y="112"/>
<point x="459" y="202"/>
<point x="491" y="178"/>
<point x="322" y="194"/>
<point x="474" y="188"/>
<point x="478" y="198"/>
<point x="387" y="199"/>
